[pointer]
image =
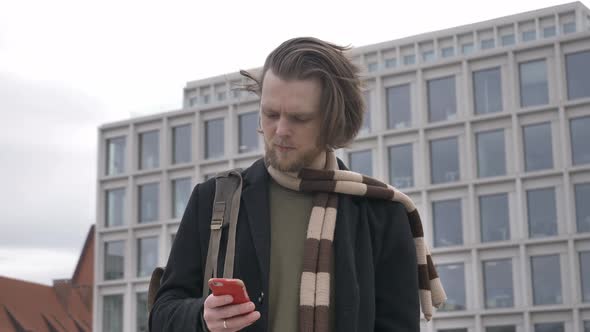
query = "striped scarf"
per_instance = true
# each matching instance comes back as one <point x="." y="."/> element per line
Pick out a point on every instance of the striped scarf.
<point x="326" y="183"/>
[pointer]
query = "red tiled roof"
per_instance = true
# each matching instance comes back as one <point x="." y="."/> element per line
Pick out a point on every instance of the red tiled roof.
<point x="64" y="307"/>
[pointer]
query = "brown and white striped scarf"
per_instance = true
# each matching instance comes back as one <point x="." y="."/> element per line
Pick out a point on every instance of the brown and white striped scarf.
<point x="326" y="184"/>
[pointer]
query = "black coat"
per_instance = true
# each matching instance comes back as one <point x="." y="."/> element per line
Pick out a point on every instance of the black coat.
<point x="375" y="269"/>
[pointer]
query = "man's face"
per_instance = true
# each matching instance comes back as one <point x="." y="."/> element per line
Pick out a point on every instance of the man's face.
<point x="291" y="121"/>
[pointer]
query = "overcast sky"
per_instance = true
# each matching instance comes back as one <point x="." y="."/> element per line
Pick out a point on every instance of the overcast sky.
<point x="66" y="67"/>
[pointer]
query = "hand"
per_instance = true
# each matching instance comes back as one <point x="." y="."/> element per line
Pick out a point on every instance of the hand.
<point x="218" y="309"/>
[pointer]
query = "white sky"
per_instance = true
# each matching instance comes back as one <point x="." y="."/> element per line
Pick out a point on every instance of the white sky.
<point x="68" y="66"/>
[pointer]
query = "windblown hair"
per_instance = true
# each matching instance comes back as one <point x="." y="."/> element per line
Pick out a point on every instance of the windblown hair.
<point x="342" y="102"/>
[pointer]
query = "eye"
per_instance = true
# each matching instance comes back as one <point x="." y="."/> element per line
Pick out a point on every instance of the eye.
<point x="271" y="115"/>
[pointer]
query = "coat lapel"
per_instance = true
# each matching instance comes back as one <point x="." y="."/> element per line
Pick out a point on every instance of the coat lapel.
<point x="255" y="199"/>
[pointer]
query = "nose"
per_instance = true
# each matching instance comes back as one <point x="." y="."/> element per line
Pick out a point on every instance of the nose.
<point x="283" y="128"/>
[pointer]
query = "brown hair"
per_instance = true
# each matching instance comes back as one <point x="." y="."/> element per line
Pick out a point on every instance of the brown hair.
<point x="342" y="101"/>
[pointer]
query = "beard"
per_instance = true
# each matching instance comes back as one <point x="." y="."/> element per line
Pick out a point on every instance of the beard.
<point x="299" y="160"/>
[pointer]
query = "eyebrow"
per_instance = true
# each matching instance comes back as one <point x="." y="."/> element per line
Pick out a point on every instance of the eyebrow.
<point x="290" y="114"/>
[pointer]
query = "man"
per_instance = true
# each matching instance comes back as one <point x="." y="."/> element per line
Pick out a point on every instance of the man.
<point x="318" y="248"/>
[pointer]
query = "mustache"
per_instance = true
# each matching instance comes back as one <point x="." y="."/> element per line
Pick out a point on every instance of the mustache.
<point x="282" y="143"/>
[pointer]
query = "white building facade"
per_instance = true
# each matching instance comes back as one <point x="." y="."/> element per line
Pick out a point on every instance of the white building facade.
<point x="486" y="127"/>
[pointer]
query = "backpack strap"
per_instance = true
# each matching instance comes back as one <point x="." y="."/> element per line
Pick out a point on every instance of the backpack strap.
<point x="226" y="205"/>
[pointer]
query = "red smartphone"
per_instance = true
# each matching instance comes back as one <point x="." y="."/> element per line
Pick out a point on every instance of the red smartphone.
<point x="233" y="287"/>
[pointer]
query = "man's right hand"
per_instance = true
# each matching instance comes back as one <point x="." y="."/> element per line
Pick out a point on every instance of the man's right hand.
<point x="221" y="315"/>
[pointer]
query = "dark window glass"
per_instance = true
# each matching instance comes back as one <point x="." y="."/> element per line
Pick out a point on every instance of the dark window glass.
<point x="542" y="212"/>
<point x="149" y="150"/>
<point x="578" y="75"/>
<point x="467" y="48"/>
<point x="538" y="151"/>
<point x="401" y="166"/>
<point x="248" y="134"/>
<point x="529" y="35"/>
<point x="115" y="207"/>
<point x="454" y="282"/>
<point x="508" y="40"/>
<point x="549" y="327"/>
<point x="487" y="44"/>
<point x="409" y="59"/>
<point x="214" y="139"/>
<point x="444" y="160"/>
<point x="494" y="217"/>
<point x="182" y="144"/>
<point x="399" y="107"/>
<point x="451" y="330"/>
<point x="366" y="126"/>
<point x="491" y="155"/>
<point x="582" y="193"/>
<point x="497" y="275"/>
<point x="546" y="276"/>
<point x="442" y="100"/>
<point x="114" y="259"/>
<point x="428" y="56"/>
<point x="549" y="32"/>
<point x="180" y="196"/>
<point x="501" y="328"/>
<point x="447" y="220"/>
<point x="221" y="96"/>
<point x="448" y="52"/>
<point x="373" y="66"/>
<point x="569" y="27"/>
<point x="487" y="90"/>
<point x="390" y="63"/>
<point x="147" y="255"/>
<point x="585" y="275"/>
<point x="361" y="162"/>
<point x="534" y="88"/>
<point x="148" y="202"/>
<point x="116" y="156"/>
<point x="112" y="311"/>
<point x="580" y="136"/>
<point x="587" y="326"/>
<point x="142" y="312"/>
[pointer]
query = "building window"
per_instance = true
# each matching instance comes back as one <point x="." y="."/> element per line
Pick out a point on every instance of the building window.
<point x="491" y="155"/>
<point x="112" y="311"/>
<point x="582" y="193"/>
<point x="508" y="40"/>
<point x="534" y="88"/>
<point x="428" y="56"/>
<point x="538" y="152"/>
<point x="214" y="138"/>
<point x="236" y="93"/>
<point x="147" y="255"/>
<point x="487" y="91"/>
<point x="442" y="100"/>
<point x="148" y="202"/>
<point x="497" y="276"/>
<point x="116" y="156"/>
<point x="487" y="44"/>
<point x="114" y="259"/>
<point x="494" y="217"/>
<point x="361" y="162"/>
<point x="366" y="125"/>
<point x="549" y="327"/>
<point x="193" y="101"/>
<point x="444" y="160"/>
<point x="549" y="32"/>
<point x="447" y="52"/>
<point x="221" y="96"/>
<point x="529" y="35"/>
<point x="501" y="328"/>
<point x="399" y="107"/>
<point x="248" y="135"/>
<point x="542" y="213"/>
<point x="409" y="59"/>
<point x="401" y="166"/>
<point x="373" y="66"/>
<point x="587" y="326"/>
<point x="447" y="222"/>
<point x="390" y="63"/>
<point x="205" y="99"/>
<point x="467" y="48"/>
<point x="115" y="207"/>
<point x="180" y="196"/>
<point x="585" y="275"/>
<point x="546" y="274"/>
<point x="181" y="140"/>
<point x="569" y="27"/>
<point x="149" y="150"/>
<point x="454" y="279"/>
<point x="577" y="67"/>
<point x="451" y="330"/>
<point x="142" y="312"/>
<point x="580" y="136"/>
